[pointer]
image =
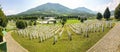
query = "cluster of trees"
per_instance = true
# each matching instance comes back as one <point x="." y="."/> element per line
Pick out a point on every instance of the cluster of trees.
<point x="107" y="13"/>
<point x="82" y="19"/>
<point x="22" y="24"/>
<point x="22" y="17"/>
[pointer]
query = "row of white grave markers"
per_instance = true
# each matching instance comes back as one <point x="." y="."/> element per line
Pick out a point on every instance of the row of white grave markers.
<point x="41" y="32"/>
<point x="90" y="27"/>
<point x="69" y="35"/>
<point x="60" y="34"/>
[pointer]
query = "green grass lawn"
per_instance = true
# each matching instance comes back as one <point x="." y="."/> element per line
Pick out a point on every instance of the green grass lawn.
<point x="72" y="21"/>
<point x="79" y="43"/>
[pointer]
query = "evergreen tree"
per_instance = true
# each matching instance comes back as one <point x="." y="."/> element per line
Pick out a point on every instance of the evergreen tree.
<point x="107" y="13"/>
<point x="99" y="16"/>
<point x="117" y="12"/>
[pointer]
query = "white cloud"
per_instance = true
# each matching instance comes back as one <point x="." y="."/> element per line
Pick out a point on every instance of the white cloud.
<point x="9" y="12"/>
<point x="112" y="5"/>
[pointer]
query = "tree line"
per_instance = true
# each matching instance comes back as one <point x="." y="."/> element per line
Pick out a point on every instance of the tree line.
<point x="107" y="14"/>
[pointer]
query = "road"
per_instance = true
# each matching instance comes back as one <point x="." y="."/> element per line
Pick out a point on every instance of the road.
<point x="110" y="42"/>
<point x="12" y="45"/>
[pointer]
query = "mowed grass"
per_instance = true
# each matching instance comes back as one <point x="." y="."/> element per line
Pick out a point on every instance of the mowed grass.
<point x="72" y="21"/>
<point x="79" y="43"/>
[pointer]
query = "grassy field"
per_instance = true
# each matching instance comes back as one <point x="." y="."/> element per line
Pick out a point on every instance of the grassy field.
<point x="79" y="43"/>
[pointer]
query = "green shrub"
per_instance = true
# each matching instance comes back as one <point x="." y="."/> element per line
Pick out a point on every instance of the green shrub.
<point x="21" y="24"/>
<point x="1" y="35"/>
<point x="99" y="16"/>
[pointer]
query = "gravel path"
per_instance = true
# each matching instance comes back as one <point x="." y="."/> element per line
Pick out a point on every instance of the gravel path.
<point x="110" y="42"/>
<point x="12" y="45"/>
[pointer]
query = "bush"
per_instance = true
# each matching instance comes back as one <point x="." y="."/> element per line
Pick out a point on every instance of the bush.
<point x="1" y="35"/>
<point x="35" y="23"/>
<point x="54" y="22"/>
<point x="64" y="20"/>
<point x="30" y="23"/>
<point x="99" y="16"/>
<point x="21" y="24"/>
<point x="82" y="20"/>
<point x="78" y="18"/>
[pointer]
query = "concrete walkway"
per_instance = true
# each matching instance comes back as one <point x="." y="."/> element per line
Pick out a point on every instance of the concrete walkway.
<point x="12" y="45"/>
<point x="110" y="42"/>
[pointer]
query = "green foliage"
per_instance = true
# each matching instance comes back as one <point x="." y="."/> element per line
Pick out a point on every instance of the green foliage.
<point x="21" y="24"/>
<point x="42" y="18"/>
<point x="30" y="22"/>
<point x="78" y="18"/>
<point x="107" y="13"/>
<point x="99" y="16"/>
<point x="1" y="35"/>
<point x="3" y="19"/>
<point x="35" y="23"/>
<point x="82" y="20"/>
<point x="117" y="12"/>
<point x="85" y="18"/>
<point x="64" y="20"/>
<point x="54" y="22"/>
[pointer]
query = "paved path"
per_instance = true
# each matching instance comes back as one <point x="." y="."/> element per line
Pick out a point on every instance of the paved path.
<point x="110" y="42"/>
<point x="12" y="45"/>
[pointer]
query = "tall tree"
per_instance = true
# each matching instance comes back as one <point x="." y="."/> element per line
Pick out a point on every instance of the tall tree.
<point x="117" y="12"/>
<point x="99" y="16"/>
<point x="64" y="20"/>
<point x="3" y="19"/>
<point x="107" y="13"/>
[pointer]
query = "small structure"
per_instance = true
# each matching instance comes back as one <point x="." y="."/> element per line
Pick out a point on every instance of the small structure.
<point x="47" y="20"/>
<point x="51" y="20"/>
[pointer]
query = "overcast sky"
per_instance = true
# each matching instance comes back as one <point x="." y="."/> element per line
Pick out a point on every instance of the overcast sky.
<point x="16" y="6"/>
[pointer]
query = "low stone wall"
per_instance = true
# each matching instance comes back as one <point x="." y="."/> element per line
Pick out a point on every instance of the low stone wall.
<point x="3" y="46"/>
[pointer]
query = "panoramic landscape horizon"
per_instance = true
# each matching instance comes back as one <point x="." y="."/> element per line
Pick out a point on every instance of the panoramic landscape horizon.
<point x="60" y="26"/>
<point x="18" y="6"/>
